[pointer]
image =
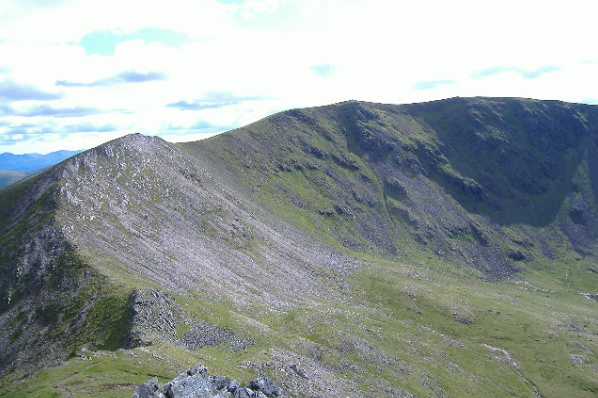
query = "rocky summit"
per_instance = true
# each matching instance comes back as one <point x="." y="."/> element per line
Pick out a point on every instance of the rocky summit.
<point x="439" y="249"/>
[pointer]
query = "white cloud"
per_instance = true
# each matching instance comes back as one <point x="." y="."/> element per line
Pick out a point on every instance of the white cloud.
<point x="71" y="20"/>
<point x="374" y="50"/>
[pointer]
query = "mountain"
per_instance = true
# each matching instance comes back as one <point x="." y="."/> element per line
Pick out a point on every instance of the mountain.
<point x="445" y="248"/>
<point x="30" y="162"/>
<point x="8" y="177"/>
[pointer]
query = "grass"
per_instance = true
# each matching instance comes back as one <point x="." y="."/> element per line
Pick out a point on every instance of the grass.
<point x="422" y="326"/>
<point x="531" y="325"/>
<point x="418" y="319"/>
<point x="105" y="373"/>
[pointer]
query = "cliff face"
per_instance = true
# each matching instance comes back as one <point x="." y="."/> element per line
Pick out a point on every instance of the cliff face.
<point x="340" y="245"/>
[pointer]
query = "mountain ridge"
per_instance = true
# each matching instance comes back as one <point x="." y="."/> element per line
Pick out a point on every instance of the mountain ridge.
<point x="296" y="245"/>
<point x="32" y="162"/>
<point x="15" y="167"/>
<point x="8" y="177"/>
<point x="429" y="160"/>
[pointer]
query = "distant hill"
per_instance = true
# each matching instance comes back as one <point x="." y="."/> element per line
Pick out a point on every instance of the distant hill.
<point x="440" y="249"/>
<point x="31" y="162"/>
<point x="8" y="177"/>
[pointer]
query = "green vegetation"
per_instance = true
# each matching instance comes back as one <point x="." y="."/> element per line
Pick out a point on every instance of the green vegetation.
<point x="438" y="249"/>
<point x="443" y="331"/>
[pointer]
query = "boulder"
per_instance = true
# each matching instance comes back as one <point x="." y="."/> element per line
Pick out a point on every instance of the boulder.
<point x="149" y="389"/>
<point x="266" y="386"/>
<point x="197" y="383"/>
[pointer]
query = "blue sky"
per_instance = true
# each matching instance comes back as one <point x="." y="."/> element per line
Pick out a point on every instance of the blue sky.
<point x="76" y="73"/>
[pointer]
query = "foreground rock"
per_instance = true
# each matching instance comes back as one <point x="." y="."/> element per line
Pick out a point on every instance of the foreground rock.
<point x="197" y="383"/>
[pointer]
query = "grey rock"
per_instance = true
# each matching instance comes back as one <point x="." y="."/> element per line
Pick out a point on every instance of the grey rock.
<point x="266" y="386"/>
<point x="149" y="389"/>
<point x="189" y="386"/>
<point x="298" y="370"/>
<point x="578" y="359"/>
<point x="196" y="382"/>
<point x="219" y="382"/>
<point x="198" y="369"/>
<point x="243" y="392"/>
<point x="233" y="385"/>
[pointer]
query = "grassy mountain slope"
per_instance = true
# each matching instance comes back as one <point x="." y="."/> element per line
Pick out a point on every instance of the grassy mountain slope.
<point x="436" y="249"/>
<point x="460" y="178"/>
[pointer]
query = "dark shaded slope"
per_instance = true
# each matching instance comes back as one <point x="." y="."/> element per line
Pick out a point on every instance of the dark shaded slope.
<point x="450" y="176"/>
<point x="51" y="302"/>
<point x="521" y="153"/>
<point x="519" y="162"/>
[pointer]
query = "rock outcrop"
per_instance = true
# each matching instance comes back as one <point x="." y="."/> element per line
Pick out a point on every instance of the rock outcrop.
<point x="197" y="383"/>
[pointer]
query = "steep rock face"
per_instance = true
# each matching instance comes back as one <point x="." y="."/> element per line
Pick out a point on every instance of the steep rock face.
<point x="50" y="299"/>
